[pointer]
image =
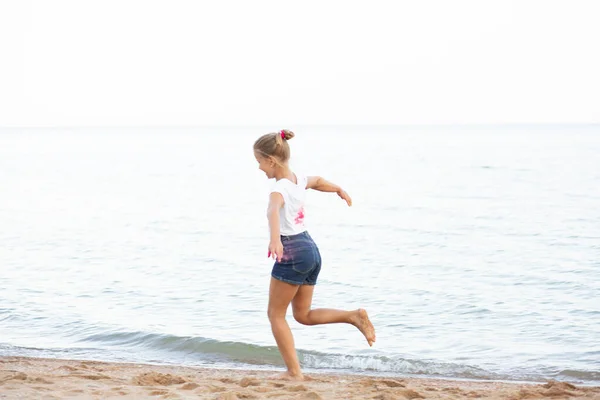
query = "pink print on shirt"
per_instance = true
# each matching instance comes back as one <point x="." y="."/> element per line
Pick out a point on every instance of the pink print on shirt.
<point x="300" y="217"/>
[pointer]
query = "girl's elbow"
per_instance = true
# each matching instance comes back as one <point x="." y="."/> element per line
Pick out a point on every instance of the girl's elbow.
<point x="318" y="183"/>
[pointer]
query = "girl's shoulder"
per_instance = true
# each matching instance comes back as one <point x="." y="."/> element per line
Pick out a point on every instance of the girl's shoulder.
<point x="302" y="180"/>
<point x="287" y="185"/>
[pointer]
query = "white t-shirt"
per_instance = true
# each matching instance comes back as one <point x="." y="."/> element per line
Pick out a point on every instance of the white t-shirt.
<point x="291" y="215"/>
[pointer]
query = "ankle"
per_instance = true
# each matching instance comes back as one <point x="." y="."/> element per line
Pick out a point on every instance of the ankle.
<point x="295" y="374"/>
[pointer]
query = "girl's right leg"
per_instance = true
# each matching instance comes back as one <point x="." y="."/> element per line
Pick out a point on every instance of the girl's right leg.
<point x="301" y="305"/>
<point x="280" y="296"/>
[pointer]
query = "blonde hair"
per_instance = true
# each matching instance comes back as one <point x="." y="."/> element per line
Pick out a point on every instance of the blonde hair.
<point x="275" y="145"/>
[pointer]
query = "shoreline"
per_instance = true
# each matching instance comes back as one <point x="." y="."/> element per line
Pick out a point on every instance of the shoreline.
<point x="49" y="378"/>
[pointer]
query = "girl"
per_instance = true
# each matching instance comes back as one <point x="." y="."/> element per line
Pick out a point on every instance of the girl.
<point x="297" y="258"/>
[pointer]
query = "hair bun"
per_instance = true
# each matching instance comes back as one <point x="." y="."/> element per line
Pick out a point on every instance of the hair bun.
<point x="287" y="134"/>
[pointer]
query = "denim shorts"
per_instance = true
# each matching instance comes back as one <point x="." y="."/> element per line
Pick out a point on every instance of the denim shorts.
<point x="301" y="260"/>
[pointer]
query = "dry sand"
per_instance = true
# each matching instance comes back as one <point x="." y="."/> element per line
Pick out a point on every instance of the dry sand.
<point x="34" y="378"/>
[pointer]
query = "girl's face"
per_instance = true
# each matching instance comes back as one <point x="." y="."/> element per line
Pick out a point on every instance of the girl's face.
<point x="266" y="165"/>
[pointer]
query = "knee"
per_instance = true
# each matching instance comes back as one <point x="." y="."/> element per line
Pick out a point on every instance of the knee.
<point x="274" y="315"/>
<point x="303" y="318"/>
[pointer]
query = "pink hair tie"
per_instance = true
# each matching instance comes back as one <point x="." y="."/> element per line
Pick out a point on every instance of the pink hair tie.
<point x="282" y="134"/>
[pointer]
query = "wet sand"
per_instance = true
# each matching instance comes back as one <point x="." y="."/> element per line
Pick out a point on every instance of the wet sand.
<point x="36" y="378"/>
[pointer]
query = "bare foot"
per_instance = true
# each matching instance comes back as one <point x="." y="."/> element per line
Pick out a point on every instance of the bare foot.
<point x="362" y="322"/>
<point x="286" y="376"/>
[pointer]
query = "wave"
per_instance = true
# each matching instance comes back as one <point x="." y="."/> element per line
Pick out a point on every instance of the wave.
<point x="201" y="350"/>
<point x="227" y="351"/>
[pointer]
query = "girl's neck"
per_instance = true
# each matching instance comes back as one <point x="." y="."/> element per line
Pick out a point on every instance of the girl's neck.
<point x="284" y="172"/>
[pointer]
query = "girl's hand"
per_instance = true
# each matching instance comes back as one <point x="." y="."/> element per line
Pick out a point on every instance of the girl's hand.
<point x="342" y="193"/>
<point x="276" y="250"/>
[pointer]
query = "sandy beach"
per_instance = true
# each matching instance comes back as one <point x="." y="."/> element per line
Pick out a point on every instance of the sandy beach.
<point x="34" y="378"/>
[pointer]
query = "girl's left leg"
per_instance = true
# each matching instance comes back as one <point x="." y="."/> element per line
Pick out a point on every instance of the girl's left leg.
<point x="302" y="303"/>
<point x="280" y="296"/>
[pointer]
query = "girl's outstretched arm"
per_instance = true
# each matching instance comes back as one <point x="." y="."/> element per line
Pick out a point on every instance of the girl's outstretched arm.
<point x="323" y="185"/>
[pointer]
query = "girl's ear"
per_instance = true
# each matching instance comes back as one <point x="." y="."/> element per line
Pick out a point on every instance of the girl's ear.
<point x="272" y="161"/>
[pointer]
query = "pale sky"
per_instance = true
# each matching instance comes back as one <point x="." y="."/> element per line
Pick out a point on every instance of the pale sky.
<point x="173" y="63"/>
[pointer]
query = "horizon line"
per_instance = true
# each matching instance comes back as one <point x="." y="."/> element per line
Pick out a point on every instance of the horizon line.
<point x="304" y="125"/>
